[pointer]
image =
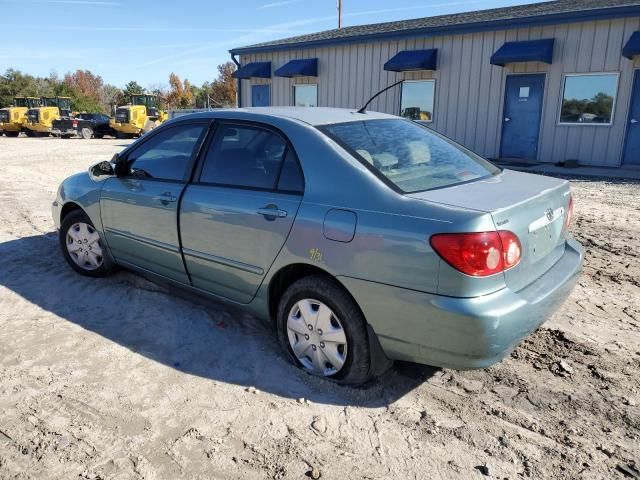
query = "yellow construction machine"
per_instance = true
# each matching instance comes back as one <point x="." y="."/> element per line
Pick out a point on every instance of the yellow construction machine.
<point x="13" y="118"/>
<point x="40" y="119"/>
<point x="138" y="117"/>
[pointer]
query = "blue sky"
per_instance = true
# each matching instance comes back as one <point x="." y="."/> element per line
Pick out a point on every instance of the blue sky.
<point x="146" y="40"/>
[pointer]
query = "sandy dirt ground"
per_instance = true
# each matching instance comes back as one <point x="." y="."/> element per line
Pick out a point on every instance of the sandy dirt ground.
<point x="120" y="379"/>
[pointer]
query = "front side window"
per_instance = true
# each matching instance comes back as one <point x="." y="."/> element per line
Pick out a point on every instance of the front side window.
<point x="305" y="95"/>
<point x="165" y="156"/>
<point x="244" y="156"/>
<point x="409" y="156"/>
<point x="417" y="99"/>
<point x="589" y="99"/>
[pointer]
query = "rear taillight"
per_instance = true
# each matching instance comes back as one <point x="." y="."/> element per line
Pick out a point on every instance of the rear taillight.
<point x="74" y="123"/>
<point x="480" y="253"/>
<point x="567" y="220"/>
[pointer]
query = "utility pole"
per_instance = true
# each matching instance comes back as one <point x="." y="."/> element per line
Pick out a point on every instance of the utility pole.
<point x="339" y="13"/>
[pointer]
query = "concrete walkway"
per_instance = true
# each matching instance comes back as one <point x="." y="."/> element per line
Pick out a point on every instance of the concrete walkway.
<point x="619" y="173"/>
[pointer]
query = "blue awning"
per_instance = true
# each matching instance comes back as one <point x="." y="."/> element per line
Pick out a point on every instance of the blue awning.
<point x="632" y="47"/>
<point x="527" y="51"/>
<point x="307" y="67"/>
<point x="409" y="60"/>
<point x="255" y="69"/>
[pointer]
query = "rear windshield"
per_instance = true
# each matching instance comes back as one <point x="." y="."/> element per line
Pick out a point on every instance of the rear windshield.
<point x="409" y="156"/>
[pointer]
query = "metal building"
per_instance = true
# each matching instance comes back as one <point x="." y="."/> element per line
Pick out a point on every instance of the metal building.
<point x="550" y="81"/>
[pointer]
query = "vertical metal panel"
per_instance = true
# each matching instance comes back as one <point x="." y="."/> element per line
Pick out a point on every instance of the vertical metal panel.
<point x="469" y="93"/>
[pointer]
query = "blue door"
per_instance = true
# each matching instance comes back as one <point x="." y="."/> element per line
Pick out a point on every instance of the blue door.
<point x="632" y="147"/>
<point x="260" y="96"/>
<point x="521" y="118"/>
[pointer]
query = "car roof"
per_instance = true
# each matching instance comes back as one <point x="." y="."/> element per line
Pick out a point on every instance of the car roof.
<point x="312" y="115"/>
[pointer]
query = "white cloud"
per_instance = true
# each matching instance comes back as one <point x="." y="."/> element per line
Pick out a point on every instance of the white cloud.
<point x="278" y="4"/>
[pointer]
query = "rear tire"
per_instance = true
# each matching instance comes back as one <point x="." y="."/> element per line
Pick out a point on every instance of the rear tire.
<point x="82" y="246"/>
<point x="86" y="133"/>
<point x="12" y="134"/>
<point x="339" y="350"/>
<point x="29" y="133"/>
<point x="98" y="135"/>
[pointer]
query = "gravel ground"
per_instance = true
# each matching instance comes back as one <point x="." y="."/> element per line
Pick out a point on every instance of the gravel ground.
<point x="120" y="379"/>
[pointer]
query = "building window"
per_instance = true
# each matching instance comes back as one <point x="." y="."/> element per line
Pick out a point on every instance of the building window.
<point x="305" y="95"/>
<point x="589" y="99"/>
<point x="416" y="101"/>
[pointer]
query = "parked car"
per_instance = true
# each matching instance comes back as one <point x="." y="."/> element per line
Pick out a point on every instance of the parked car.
<point x="84" y="125"/>
<point x="363" y="237"/>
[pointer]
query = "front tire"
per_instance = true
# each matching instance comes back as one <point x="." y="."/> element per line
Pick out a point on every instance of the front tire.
<point x="12" y="134"/>
<point x="82" y="246"/>
<point x="322" y="330"/>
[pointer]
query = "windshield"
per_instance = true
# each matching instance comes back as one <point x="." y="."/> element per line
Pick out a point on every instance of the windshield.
<point x="409" y="156"/>
<point x="64" y="103"/>
<point x="147" y="100"/>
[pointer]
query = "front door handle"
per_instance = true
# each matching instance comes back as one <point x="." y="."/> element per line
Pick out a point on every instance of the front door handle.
<point x="507" y="119"/>
<point x="165" y="198"/>
<point x="633" y="121"/>
<point x="271" y="212"/>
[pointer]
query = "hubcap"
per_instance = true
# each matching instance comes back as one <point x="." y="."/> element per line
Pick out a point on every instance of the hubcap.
<point x="83" y="245"/>
<point x="316" y="337"/>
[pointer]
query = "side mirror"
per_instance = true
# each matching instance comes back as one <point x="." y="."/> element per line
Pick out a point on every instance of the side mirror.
<point x="102" y="170"/>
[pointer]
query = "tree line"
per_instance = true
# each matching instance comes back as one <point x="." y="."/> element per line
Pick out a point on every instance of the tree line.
<point x="89" y="92"/>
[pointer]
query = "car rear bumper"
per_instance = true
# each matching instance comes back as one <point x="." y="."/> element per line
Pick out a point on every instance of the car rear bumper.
<point x="58" y="132"/>
<point x="463" y="333"/>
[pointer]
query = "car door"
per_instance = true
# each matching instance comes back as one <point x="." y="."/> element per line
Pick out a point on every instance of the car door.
<point x="237" y="214"/>
<point x="139" y="207"/>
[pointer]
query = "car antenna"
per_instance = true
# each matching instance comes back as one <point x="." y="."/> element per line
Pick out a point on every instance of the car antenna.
<point x="364" y="109"/>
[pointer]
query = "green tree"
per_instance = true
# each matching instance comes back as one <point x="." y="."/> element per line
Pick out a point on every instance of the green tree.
<point x="132" y="88"/>
<point x="14" y="83"/>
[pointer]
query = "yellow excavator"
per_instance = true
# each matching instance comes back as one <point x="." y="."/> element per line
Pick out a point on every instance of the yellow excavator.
<point x="138" y="117"/>
<point x="13" y="118"/>
<point x="40" y="119"/>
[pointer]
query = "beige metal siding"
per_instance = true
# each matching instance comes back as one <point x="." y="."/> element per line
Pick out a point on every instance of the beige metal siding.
<point x="469" y="92"/>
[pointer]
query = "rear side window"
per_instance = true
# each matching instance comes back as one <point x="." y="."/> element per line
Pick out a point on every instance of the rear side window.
<point x="291" y="179"/>
<point x="409" y="156"/>
<point x="246" y="156"/>
<point x="167" y="155"/>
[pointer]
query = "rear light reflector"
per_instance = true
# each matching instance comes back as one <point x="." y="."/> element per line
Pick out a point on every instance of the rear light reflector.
<point x="479" y="253"/>
<point x="569" y="216"/>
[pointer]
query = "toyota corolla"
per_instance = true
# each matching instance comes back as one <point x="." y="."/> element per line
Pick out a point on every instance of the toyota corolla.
<point x="361" y="237"/>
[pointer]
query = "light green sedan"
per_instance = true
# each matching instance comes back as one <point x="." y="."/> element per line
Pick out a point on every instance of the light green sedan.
<point x="361" y="237"/>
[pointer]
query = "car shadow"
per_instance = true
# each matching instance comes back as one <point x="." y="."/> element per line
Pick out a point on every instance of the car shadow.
<point x="182" y="331"/>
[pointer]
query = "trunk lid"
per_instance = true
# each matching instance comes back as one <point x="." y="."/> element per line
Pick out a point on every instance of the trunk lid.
<point x="531" y="206"/>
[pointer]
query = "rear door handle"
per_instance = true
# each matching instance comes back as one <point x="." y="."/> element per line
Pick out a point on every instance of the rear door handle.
<point x="633" y="121"/>
<point x="507" y="119"/>
<point x="271" y="212"/>
<point x="165" y="198"/>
